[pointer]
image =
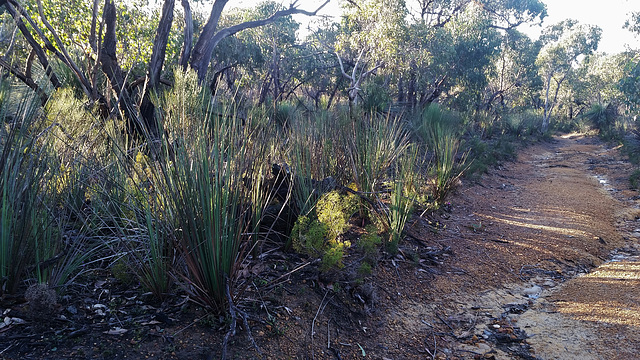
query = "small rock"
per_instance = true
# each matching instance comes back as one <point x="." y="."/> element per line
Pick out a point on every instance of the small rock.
<point x="483" y="347"/>
<point x="549" y="283"/>
<point x="532" y="292"/>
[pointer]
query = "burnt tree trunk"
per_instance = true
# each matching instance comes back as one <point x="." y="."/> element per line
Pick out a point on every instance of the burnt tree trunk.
<point x="147" y="109"/>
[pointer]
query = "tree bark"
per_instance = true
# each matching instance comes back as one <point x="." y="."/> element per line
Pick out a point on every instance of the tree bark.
<point x="160" y="44"/>
<point x="147" y="108"/>
<point x="437" y="91"/>
<point x="400" y="90"/>
<point x="114" y="73"/>
<point x="188" y="36"/>
<point x="203" y="50"/>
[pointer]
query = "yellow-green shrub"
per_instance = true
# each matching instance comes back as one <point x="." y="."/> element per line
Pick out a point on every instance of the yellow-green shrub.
<point x="308" y="235"/>
<point x="333" y="254"/>
<point x="334" y="210"/>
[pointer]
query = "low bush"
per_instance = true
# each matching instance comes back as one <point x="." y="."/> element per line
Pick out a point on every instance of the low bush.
<point x="334" y="210"/>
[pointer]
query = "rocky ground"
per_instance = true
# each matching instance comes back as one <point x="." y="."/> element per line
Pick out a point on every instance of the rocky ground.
<point x="539" y="259"/>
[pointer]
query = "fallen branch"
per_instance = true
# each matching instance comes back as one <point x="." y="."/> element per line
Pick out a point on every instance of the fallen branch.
<point x="446" y="323"/>
<point x="275" y="282"/>
<point x="235" y="312"/>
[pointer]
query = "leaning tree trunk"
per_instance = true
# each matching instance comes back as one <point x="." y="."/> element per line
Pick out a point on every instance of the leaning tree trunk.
<point x="112" y="70"/>
<point x="35" y="45"/>
<point x="147" y="108"/>
<point x="211" y="36"/>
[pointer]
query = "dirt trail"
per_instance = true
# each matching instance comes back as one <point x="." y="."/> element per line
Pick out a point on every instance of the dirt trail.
<point x="550" y="268"/>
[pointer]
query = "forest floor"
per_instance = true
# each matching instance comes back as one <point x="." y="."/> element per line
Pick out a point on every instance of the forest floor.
<point x="538" y="259"/>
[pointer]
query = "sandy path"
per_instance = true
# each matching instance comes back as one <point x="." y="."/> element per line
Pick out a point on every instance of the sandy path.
<point x="548" y="246"/>
<point x="595" y="315"/>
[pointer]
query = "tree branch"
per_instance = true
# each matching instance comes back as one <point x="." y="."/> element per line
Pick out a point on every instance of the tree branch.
<point x="64" y="55"/>
<point x="208" y="41"/>
<point x="344" y="73"/>
<point x="26" y="80"/>
<point x="42" y="57"/>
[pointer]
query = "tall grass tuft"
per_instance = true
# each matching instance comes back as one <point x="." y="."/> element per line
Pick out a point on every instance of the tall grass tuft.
<point x="206" y="173"/>
<point x="22" y="173"/>
<point x="33" y="238"/>
<point x="315" y="153"/>
<point x="402" y="198"/>
<point x="440" y="130"/>
<point x="603" y="117"/>
<point x="373" y="146"/>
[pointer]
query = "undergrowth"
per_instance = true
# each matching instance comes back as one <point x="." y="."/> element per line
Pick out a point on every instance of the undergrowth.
<point x="185" y="210"/>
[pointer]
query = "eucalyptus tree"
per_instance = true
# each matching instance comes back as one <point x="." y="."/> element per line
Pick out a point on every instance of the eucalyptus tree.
<point x="630" y="83"/>
<point x="322" y="78"/>
<point x="565" y="45"/>
<point x="372" y="32"/>
<point x="452" y="45"/>
<point x="257" y="57"/>
<point x="596" y="82"/>
<point x="450" y="59"/>
<point x="475" y="44"/>
<point x="505" y="14"/>
<point x="132" y="96"/>
<point x="514" y="76"/>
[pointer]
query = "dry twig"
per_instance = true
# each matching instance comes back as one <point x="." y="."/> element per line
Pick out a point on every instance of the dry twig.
<point x="235" y="312"/>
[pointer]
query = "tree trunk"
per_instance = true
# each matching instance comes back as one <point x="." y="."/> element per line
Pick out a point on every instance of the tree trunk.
<point x="42" y="57"/>
<point x="114" y="73"/>
<point x="160" y="44"/>
<point x="547" y="105"/>
<point x="188" y="36"/>
<point x="400" y="90"/>
<point x="411" y="92"/>
<point x="147" y="109"/>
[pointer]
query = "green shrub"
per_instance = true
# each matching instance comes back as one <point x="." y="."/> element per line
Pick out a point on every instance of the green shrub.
<point x="334" y="211"/>
<point x="120" y="270"/>
<point x="376" y="97"/>
<point x="308" y="235"/>
<point x="320" y="236"/>
<point x="365" y="269"/>
<point x="370" y="241"/>
<point x="634" y="179"/>
<point x="524" y="123"/>
<point x="333" y="255"/>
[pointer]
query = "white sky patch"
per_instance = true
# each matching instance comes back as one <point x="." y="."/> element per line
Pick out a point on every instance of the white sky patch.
<point x="609" y="15"/>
